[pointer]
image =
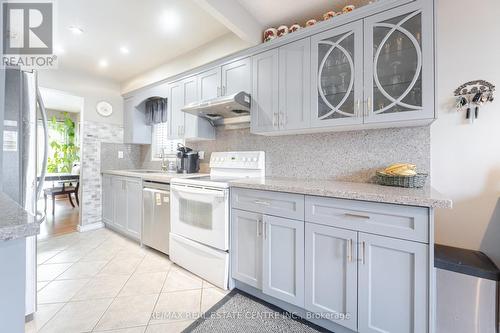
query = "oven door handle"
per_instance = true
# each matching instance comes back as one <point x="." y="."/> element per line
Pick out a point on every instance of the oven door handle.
<point x="197" y="190"/>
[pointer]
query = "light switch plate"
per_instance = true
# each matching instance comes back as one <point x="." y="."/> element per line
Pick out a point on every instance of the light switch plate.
<point x="120" y="154"/>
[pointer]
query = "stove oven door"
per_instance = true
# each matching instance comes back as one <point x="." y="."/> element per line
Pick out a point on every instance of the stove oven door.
<point x="201" y="214"/>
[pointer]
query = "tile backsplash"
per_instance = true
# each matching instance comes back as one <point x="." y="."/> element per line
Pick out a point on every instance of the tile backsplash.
<point x="350" y="156"/>
<point x="110" y="160"/>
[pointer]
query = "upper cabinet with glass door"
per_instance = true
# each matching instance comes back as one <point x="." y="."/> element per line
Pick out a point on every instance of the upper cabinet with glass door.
<point x="337" y="76"/>
<point x="399" y="71"/>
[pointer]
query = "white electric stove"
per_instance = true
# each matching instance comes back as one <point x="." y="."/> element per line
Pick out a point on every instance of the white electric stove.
<point x="199" y="235"/>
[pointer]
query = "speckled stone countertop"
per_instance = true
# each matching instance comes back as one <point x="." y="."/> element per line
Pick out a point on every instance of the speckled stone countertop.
<point x="346" y="190"/>
<point x="157" y="176"/>
<point x="15" y="221"/>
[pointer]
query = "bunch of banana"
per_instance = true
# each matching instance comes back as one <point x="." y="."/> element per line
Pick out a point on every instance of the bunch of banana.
<point x="401" y="169"/>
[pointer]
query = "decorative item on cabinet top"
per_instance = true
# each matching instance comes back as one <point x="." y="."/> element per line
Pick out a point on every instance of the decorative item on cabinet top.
<point x="473" y="94"/>
<point x="272" y="33"/>
<point x="104" y="108"/>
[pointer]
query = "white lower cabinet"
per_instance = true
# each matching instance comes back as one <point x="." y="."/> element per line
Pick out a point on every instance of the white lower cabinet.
<point x="392" y="285"/>
<point x="122" y="204"/>
<point x="283" y="259"/>
<point x="246" y="247"/>
<point x="331" y="272"/>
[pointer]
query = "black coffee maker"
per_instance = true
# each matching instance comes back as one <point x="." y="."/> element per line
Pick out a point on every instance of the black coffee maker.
<point x="188" y="160"/>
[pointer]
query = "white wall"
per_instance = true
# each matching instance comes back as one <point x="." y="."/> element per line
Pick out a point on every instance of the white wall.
<point x="466" y="158"/>
<point x="211" y="51"/>
<point x="92" y="89"/>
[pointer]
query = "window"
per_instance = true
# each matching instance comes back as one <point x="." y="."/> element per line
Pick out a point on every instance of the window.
<point x="160" y="141"/>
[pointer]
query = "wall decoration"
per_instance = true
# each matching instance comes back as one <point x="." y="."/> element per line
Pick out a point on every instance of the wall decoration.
<point x="473" y="94"/>
<point x="104" y="108"/>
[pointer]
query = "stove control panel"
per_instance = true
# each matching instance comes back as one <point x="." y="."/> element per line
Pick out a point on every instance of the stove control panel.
<point x="238" y="160"/>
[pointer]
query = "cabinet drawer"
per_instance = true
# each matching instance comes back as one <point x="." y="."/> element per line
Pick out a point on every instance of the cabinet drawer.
<point x="405" y="222"/>
<point x="267" y="202"/>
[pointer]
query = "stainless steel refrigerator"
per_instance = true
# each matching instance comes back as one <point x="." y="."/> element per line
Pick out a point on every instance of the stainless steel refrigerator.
<point x="21" y="108"/>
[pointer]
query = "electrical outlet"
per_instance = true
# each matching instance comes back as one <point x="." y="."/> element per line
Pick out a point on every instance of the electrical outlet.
<point x="120" y="154"/>
<point x="201" y="154"/>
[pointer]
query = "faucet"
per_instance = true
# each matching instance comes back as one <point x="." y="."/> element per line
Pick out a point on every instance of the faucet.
<point x="164" y="163"/>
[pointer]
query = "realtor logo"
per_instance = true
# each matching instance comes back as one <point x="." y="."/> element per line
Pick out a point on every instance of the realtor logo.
<point x="27" y="36"/>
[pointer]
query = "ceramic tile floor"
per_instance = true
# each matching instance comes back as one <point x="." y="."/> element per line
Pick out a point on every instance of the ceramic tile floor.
<point x="99" y="281"/>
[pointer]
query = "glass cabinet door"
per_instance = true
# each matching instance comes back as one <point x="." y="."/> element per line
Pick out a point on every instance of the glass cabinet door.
<point x="337" y="77"/>
<point x="398" y="68"/>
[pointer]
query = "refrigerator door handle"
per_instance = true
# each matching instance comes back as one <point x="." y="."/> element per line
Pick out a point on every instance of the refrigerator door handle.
<point x="46" y="143"/>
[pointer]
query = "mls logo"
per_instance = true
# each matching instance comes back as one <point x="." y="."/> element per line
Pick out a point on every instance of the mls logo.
<point x="27" y="28"/>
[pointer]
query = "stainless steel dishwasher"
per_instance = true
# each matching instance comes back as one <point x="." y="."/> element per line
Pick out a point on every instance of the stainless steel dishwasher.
<point x="156" y="219"/>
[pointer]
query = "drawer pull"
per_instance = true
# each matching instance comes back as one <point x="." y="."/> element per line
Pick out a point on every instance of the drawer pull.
<point x="263" y="203"/>
<point x="365" y="217"/>
<point x="363" y="245"/>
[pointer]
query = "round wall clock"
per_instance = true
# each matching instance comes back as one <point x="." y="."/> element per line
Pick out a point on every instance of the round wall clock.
<point x="104" y="108"/>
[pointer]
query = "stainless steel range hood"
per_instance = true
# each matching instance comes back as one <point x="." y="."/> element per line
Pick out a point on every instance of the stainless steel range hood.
<point x="232" y="109"/>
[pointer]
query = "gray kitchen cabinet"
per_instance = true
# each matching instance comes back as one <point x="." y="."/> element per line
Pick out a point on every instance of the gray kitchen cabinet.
<point x="399" y="64"/>
<point x="209" y="84"/>
<point x="183" y="125"/>
<point x="107" y="199"/>
<point x="122" y="204"/>
<point x="283" y="259"/>
<point x="265" y="100"/>
<point x="331" y="271"/>
<point x="236" y="77"/>
<point x="119" y="203"/>
<point x="294" y="85"/>
<point x="337" y="76"/>
<point x="135" y="129"/>
<point x="134" y="207"/>
<point x="392" y="285"/>
<point x="246" y="247"/>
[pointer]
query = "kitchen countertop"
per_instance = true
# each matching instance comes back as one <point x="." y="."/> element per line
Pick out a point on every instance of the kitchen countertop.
<point x="425" y="197"/>
<point x="156" y="175"/>
<point x="15" y="222"/>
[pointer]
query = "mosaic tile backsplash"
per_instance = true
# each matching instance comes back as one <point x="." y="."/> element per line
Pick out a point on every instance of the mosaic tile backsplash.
<point x="349" y="156"/>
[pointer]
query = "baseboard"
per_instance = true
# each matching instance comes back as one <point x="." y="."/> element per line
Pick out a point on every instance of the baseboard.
<point x="88" y="227"/>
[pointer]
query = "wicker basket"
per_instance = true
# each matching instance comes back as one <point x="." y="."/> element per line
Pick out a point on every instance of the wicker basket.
<point x="416" y="181"/>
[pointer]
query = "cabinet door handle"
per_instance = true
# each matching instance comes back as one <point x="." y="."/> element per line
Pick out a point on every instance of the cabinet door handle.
<point x="275" y="116"/>
<point x="349" y="250"/>
<point x="223" y="90"/>
<point x="368" y="106"/>
<point x="218" y="91"/>
<point x="263" y="203"/>
<point x="363" y="248"/>
<point x="265" y="230"/>
<point x="358" y="108"/>
<point x="259" y="227"/>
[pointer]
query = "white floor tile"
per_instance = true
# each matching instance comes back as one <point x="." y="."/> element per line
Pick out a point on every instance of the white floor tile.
<point x="209" y="297"/>
<point x="144" y="284"/>
<point x="120" y="266"/>
<point x="81" y="270"/>
<point x="43" y="314"/>
<point x="180" y="279"/>
<point x="102" y="287"/>
<point x="128" y="311"/>
<point x="48" y="272"/>
<point x="60" y="291"/>
<point x="177" y="306"/>
<point x="77" y="317"/>
<point x="175" y="327"/>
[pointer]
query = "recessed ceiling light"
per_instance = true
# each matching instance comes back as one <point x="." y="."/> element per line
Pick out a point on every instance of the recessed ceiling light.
<point x="103" y="63"/>
<point x="124" y="50"/>
<point x="169" y="20"/>
<point x="76" y="30"/>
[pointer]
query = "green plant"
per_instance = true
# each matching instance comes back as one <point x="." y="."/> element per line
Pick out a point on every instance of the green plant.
<point x="64" y="149"/>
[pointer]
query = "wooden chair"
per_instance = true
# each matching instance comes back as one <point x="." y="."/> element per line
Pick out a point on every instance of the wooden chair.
<point x="61" y="190"/>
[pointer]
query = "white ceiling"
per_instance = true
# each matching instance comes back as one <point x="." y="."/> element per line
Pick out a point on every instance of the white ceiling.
<point x="135" y="24"/>
<point x="61" y="101"/>
<point x="277" y="12"/>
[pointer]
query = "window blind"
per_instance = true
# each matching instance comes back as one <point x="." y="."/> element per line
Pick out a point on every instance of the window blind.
<point x="160" y="141"/>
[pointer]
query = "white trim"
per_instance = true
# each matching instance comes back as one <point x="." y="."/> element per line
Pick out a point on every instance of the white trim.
<point x="88" y="227"/>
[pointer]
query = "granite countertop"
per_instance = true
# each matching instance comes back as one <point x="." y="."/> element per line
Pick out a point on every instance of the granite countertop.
<point x="15" y="221"/>
<point x="425" y="197"/>
<point x="154" y="175"/>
